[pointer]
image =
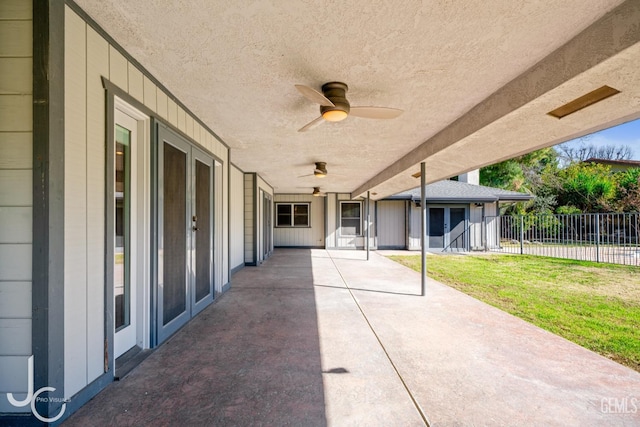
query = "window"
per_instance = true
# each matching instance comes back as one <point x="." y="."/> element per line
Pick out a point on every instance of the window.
<point x="350" y="218"/>
<point x="292" y="214"/>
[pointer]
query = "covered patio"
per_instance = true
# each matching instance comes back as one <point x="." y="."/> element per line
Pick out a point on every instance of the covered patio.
<point x="316" y="337"/>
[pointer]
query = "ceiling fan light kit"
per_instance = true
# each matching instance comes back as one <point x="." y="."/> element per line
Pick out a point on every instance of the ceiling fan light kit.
<point x="335" y="107"/>
<point x="321" y="170"/>
<point x="335" y="92"/>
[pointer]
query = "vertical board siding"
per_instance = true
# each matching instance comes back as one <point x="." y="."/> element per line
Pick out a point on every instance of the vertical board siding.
<point x="189" y="127"/>
<point x="312" y="236"/>
<point x="475" y="227"/>
<point x="88" y="58"/>
<point x="150" y="94"/>
<point x="391" y="224"/>
<point x="16" y="196"/>
<point x="236" y="221"/>
<point x="161" y="104"/>
<point x="172" y="114"/>
<point x="136" y="83"/>
<point x="75" y="218"/>
<point x="197" y="133"/>
<point x="118" y="69"/>
<point x="97" y="67"/>
<point x="493" y="225"/>
<point x="182" y="120"/>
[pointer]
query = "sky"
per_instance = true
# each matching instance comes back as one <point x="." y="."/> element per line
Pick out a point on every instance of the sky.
<point x="624" y="134"/>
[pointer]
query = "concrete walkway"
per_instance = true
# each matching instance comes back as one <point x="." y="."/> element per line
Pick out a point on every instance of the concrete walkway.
<point x="314" y="337"/>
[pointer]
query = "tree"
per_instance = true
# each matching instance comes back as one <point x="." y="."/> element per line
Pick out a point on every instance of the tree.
<point x="576" y="187"/>
<point x="588" y="187"/>
<point x="527" y="173"/>
<point x="569" y="153"/>
<point x="628" y="196"/>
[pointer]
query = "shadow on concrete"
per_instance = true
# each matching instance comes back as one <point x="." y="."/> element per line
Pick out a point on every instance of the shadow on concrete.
<point x="252" y="358"/>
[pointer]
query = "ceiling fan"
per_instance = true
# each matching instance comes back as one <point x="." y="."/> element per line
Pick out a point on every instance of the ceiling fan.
<point x="317" y="193"/>
<point x="335" y="107"/>
<point x="319" y="172"/>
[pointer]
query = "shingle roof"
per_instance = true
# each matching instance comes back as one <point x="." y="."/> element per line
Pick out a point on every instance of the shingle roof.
<point x="453" y="191"/>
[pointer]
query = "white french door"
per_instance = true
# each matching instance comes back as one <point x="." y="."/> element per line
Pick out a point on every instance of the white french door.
<point x="126" y="245"/>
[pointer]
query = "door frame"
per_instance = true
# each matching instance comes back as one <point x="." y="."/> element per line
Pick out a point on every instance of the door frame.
<point x="164" y="133"/>
<point x="140" y="233"/>
<point x="447" y="223"/>
<point x="163" y="331"/>
<point x="201" y="156"/>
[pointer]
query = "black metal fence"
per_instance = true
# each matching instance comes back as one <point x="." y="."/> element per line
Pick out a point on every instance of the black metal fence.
<point x="610" y="238"/>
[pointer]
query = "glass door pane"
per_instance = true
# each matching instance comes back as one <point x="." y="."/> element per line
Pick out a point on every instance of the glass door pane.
<point x="174" y="258"/>
<point x="436" y="227"/>
<point x="457" y="235"/>
<point x="202" y="231"/>
<point x="121" y="276"/>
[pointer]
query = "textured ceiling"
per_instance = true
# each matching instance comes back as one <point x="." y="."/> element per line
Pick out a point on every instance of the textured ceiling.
<point x="234" y="65"/>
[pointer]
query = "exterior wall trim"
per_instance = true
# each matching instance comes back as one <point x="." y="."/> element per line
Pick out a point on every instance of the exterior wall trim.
<point x="48" y="198"/>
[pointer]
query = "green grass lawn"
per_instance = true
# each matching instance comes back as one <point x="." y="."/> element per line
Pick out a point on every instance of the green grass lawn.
<point x="594" y="305"/>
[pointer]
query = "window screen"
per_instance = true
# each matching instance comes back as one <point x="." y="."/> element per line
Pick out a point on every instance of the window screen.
<point x="292" y="215"/>
<point x="350" y="218"/>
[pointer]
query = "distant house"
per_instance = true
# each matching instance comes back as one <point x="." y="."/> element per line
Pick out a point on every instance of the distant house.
<point x="616" y="165"/>
<point x="456" y="212"/>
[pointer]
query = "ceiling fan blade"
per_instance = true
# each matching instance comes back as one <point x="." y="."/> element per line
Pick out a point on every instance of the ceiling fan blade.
<point x="375" y="112"/>
<point x="314" y="96"/>
<point x="311" y="124"/>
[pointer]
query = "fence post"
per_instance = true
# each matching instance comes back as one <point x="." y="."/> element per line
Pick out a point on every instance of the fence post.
<point x="521" y="234"/>
<point x="597" y="237"/>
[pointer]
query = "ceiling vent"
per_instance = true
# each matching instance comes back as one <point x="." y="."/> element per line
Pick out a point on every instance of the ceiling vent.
<point x="584" y="101"/>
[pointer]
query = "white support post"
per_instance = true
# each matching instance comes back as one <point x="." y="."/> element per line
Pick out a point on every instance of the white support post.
<point x="368" y="222"/>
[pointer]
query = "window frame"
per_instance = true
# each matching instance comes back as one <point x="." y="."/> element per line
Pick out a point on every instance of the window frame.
<point x="343" y="202"/>
<point x="292" y="214"/>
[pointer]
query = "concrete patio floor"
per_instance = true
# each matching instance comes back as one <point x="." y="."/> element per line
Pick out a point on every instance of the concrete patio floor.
<point x="315" y="337"/>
